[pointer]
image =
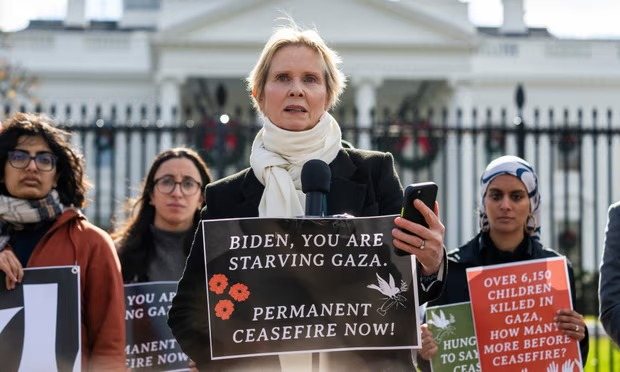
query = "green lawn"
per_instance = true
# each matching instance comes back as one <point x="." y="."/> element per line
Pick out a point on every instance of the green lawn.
<point x="603" y="354"/>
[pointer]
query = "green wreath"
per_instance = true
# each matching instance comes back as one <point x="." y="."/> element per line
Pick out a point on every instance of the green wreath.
<point x="421" y="135"/>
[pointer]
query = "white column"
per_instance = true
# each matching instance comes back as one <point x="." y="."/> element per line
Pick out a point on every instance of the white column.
<point x="169" y="97"/>
<point x="461" y="98"/>
<point x="460" y="164"/>
<point x="365" y="101"/>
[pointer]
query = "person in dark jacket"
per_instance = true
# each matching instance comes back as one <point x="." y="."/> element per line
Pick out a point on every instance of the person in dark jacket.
<point x="609" y="286"/>
<point x="154" y="241"/>
<point x="509" y="232"/>
<point x="293" y="85"/>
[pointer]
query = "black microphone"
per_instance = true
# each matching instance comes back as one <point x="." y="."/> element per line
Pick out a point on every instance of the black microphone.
<point x="315" y="183"/>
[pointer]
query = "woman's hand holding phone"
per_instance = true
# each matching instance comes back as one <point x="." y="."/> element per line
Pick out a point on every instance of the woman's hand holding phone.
<point x="419" y="230"/>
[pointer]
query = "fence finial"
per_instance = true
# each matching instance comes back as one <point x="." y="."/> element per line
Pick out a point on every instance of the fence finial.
<point x="518" y="121"/>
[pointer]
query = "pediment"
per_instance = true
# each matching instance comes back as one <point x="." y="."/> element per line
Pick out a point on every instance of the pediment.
<point x="342" y="23"/>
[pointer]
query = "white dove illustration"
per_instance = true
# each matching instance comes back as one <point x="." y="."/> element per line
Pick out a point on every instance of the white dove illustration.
<point x="440" y="321"/>
<point x="389" y="290"/>
<point x="391" y="293"/>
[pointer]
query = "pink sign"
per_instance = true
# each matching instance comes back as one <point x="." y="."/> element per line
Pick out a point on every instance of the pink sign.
<point x="513" y="306"/>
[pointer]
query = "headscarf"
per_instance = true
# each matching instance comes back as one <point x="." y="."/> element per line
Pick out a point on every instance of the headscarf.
<point x="278" y="156"/>
<point x="515" y="166"/>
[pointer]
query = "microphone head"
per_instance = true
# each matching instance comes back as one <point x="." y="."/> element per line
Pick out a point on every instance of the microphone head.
<point x="315" y="176"/>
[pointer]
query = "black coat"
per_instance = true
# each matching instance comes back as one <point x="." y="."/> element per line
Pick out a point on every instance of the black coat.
<point x="364" y="183"/>
<point x="470" y="255"/>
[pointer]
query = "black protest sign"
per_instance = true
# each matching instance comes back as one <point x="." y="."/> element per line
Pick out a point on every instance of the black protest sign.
<point x="150" y="344"/>
<point x="300" y="285"/>
<point x="40" y="321"/>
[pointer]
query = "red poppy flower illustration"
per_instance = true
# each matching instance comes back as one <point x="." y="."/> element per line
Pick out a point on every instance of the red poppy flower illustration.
<point x="224" y="309"/>
<point x="239" y="292"/>
<point x="218" y="283"/>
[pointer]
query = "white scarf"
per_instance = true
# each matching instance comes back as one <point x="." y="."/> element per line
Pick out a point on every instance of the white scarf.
<point x="278" y="156"/>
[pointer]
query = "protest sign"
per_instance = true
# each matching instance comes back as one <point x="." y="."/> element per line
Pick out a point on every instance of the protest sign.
<point x="513" y="306"/>
<point x="453" y="330"/>
<point x="300" y="285"/>
<point x="150" y="344"/>
<point x="40" y="321"/>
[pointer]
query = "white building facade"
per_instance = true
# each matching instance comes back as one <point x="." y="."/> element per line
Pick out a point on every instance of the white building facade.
<point x="162" y="52"/>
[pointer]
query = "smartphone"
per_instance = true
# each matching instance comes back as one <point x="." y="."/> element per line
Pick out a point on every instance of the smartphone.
<point x="426" y="192"/>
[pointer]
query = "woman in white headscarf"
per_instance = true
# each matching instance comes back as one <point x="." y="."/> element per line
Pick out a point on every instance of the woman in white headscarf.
<point x="509" y="232"/>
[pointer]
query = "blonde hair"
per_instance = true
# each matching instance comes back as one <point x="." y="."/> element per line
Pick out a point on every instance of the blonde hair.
<point x="294" y="35"/>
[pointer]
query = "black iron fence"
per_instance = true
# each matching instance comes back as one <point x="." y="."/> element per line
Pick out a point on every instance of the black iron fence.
<point x="574" y="154"/>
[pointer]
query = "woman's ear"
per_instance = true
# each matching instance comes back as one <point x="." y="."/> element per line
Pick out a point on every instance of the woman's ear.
<point x="258" y="98"/>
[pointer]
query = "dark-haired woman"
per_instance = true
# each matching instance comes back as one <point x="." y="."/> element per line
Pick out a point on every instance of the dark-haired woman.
<point x="509" y="212"/>
<point x="42" y="186"/>
<point x="155" y="241"/>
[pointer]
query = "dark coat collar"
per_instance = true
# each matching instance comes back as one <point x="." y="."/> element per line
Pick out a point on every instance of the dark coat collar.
<point x="470" y="252"/>
<point x="251" y="188"/>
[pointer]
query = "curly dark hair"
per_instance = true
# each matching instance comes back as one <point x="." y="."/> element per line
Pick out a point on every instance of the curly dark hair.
<point x="72" y="183"/>
<point x="133" y="238"/>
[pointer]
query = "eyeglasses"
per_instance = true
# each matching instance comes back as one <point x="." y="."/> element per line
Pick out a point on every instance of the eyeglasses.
<point x="166" y="185"/>
<point x="44" y="161"/>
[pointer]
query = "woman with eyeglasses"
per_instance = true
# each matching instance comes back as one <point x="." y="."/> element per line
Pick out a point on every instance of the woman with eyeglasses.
<point x="154" y="242"/>
<point x="42" y="187"/>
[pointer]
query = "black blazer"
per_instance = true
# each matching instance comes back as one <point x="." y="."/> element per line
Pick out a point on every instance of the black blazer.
<point x="364" y="183"/>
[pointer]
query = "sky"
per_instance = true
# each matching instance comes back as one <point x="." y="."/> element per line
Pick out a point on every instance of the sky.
<point x="564" y="18"/>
